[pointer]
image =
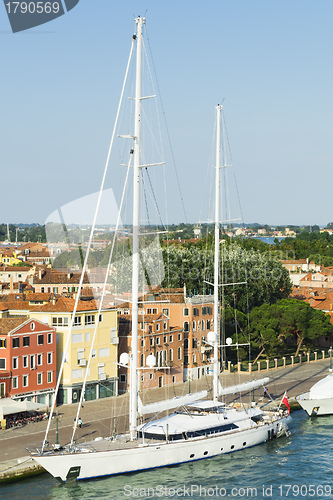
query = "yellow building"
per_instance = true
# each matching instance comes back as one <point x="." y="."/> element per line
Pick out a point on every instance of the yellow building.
<point x="9" y="258"/>
<point x="102" y="380"/>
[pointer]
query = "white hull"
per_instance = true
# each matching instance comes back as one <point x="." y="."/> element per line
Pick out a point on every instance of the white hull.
<point x="317" y="407"/>
<point x="88" y="465"/>
<point x="319" y="400"/>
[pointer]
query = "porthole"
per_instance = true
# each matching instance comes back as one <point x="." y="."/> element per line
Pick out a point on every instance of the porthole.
<point x="205" y="452"/>
<point x="192" y="455"/>
<point x="244" y="444"/>
<point x="232" y="446"/>
<point x="221" y="449"/>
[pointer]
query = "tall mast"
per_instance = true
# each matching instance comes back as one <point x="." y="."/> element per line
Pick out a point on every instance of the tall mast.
<point x="216" y="253"/>
<point x="135" y="258"/>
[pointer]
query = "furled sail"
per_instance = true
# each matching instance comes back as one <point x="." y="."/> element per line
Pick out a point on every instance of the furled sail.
<point x="246" y="386"/>
<point x="171" y="403"/>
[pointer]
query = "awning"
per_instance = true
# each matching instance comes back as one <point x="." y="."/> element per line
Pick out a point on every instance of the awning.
<point x="9" y="406"/>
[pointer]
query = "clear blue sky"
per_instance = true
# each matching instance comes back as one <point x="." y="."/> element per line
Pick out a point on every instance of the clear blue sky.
<point x="270" y="61"/>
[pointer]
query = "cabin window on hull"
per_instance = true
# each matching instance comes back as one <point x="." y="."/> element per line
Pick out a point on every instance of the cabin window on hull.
<point x="191" y="434"/>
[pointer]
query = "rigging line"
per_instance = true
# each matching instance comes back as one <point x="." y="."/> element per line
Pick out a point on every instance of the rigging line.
<point x="87" y="255"/>
<point x="145" y="197"/>
<point x="167" y="223"/>
<point x="236" y="323"/>
<point x="160" y="146"/>
<point x="100" y="307"/>
<point x="210" y="204"/>
<point x="167" y="130"/>
<point x="206" y="257"/>
<point x="225" y="170"/>
<point x="154" y="197"/>
<point x="223" y="315"/>
<point x="154" y="91"/>
<point x="150" y="128"/>
<point x="248" y="316"/>
<point x="210" y="171"/>
<point x="234" y="174"/>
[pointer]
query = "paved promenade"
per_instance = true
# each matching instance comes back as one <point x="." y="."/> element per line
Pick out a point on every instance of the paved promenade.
<point x="100" y="416"/>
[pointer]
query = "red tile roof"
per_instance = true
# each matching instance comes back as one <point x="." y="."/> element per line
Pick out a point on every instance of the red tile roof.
<point x="66" y="304"/>
<point x="9" y="324"/>
<point x="52" y="277"/>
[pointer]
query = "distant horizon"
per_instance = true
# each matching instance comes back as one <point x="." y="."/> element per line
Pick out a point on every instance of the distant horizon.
<point x="322" y="226"/>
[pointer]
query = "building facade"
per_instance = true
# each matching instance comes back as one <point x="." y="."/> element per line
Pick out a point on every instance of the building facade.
<point x="174" y="328"/>
<point x="28" y="353"/>
<point x="102" y="377"/>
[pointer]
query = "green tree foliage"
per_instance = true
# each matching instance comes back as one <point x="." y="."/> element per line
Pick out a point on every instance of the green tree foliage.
<point x="289" y="323"/>
<point x="315" y="246"/>
<point x="33" y="232"/>
<point x="302" y="324"/>
<point x="266" y="280"/>
<point x="75" y="259"/>
<point x="22" y="264"/>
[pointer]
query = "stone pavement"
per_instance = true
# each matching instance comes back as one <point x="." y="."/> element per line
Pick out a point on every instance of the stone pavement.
<point x="99" y="417"/>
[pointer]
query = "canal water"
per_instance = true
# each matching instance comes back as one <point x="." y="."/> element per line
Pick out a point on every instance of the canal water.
<point x="298" y="466"/>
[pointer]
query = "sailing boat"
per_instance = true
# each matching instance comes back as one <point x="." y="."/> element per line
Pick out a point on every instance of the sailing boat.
<point x="199" y="428"/>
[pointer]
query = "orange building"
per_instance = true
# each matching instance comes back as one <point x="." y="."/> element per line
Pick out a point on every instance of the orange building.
<point x="174" y="328"/>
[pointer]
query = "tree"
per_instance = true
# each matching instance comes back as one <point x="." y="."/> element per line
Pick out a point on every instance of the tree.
<point x="263" y="333"/>
<point x="303" y="324"/>
<point x="254" y="278"/>
<point x="273" y="327"/>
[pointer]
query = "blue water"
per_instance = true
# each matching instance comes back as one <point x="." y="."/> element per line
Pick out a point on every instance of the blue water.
<point x="268" y="239"/>
<point x="299" y="466"/>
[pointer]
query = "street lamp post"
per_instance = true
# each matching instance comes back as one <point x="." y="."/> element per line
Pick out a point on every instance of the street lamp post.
<point x="57" y="445"/>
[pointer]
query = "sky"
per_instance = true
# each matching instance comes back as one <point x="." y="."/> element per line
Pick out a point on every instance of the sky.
<point x="271" y="63"/>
